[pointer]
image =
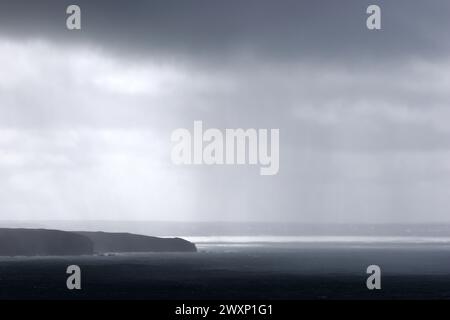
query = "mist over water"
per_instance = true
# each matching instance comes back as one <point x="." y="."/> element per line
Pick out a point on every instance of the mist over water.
<point x="270" y="230"/>
<point x="318" y="239"/>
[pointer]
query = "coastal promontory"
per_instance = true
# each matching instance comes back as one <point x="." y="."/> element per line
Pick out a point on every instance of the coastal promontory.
<point x="43" y="242"/>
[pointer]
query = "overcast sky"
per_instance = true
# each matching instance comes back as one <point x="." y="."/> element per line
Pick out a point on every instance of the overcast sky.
<point x="86" y="116"/>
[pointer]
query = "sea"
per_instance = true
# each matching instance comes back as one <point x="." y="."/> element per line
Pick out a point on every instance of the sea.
<point x="245" y="267"/>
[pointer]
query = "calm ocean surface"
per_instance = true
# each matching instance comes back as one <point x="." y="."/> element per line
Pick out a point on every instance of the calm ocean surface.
<point x="244" y="268"/>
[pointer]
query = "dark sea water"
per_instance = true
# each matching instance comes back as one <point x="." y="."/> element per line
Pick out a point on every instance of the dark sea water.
<point x="277" y="270"/>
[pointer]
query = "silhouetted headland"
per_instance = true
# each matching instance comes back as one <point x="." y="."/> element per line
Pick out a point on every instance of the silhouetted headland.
<point x="128" y="242"/>
<point x="43" y="242"/>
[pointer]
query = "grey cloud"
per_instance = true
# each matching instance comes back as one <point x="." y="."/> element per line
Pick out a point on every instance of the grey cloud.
<point x="86" y="117"/>
<point x="222" y="30"/>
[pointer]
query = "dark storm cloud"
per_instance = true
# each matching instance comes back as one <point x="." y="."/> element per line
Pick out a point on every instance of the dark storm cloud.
<point x="219" y="30"/>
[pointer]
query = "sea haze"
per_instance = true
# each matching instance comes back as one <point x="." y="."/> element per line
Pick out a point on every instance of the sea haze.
<point x="215" y="228"/>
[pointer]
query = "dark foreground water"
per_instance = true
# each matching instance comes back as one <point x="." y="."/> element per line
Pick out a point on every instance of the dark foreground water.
<point x="239" y="271"/>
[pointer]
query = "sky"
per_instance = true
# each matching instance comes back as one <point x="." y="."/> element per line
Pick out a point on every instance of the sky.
<point x="86" y="116"/>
